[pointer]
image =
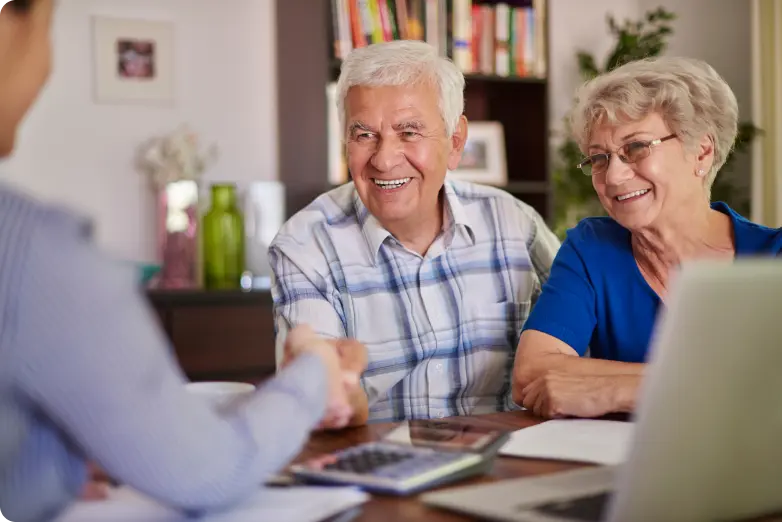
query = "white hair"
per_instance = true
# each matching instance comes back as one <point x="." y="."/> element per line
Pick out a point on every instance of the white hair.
<point x="693" y="99"/>
<point x="403" y="62"/>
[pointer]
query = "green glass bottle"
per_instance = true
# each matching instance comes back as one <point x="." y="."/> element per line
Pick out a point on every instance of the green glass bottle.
<point x="223" y="240"/>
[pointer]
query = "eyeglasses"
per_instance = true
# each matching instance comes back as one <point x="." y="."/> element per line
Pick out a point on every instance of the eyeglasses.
<point x="629" y="153"/>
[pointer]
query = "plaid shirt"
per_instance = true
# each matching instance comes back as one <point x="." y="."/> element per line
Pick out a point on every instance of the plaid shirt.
<point x="441" y="330"/>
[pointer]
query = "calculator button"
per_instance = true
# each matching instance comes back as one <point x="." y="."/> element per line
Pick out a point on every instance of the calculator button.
<point x="366" y="461"/>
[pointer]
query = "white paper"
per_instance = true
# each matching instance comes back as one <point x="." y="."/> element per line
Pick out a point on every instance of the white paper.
<point x="294" y="504"/>
<point x="580" y="440"/>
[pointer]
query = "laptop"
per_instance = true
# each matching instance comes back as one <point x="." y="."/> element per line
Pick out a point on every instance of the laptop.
<point x="708" y="438"/>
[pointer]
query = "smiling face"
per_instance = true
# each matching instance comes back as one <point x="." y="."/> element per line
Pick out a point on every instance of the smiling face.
<point x="667" y="181"/>
<point x="398" y="151"/>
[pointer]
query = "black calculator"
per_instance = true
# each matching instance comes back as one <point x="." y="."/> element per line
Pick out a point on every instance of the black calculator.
<point x="429" y="454"/>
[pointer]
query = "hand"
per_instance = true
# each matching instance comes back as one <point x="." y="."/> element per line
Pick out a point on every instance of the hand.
<point x="97" y="486"/>
<point x="353" y="361"/>
<point x="302" y="339"/>
<point x="352" y="358"/>
<point x="94" y="490"/>
<point x="557" y="395"/>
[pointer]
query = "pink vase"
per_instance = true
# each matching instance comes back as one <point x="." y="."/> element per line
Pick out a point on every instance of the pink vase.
<point x="177" y="232"/>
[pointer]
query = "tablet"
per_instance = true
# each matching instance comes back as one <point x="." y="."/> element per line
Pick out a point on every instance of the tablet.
<point x="448" y="436"/>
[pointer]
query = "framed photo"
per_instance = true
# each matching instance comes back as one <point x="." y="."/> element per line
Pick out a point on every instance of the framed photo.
<point x="134" y="60"/>
<point x="483" y="160"/>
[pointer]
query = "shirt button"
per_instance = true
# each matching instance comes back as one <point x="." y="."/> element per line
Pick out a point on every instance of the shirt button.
<point x="440" y="415"/>
<point x="439" y="367"/>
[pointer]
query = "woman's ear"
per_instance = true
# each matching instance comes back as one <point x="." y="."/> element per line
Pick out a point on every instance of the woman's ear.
<point x="704" y="158"/>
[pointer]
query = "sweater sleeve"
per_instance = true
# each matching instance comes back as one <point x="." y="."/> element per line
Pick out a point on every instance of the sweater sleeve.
<point x="92" y="360"/>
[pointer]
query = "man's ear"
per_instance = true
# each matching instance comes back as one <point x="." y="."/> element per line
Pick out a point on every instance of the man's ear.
<point x="458" y="140"/>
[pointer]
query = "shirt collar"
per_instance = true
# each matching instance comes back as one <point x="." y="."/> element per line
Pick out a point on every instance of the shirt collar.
<point x="375" y="234"/>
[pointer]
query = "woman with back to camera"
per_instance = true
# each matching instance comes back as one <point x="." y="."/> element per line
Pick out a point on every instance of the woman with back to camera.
<point x="655" y="133"/>
<point x="86" y="375"/>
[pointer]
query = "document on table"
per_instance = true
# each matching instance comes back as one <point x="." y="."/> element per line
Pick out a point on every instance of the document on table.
<point x="293" y="504"/>
<point x="580" y="440"/>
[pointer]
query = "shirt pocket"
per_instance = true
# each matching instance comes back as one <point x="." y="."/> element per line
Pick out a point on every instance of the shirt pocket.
<point x="494" y="326"/>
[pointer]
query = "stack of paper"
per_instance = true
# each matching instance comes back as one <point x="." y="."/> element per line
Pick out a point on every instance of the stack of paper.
<point x="294" y="504"/>
<point x="580" y="440"/>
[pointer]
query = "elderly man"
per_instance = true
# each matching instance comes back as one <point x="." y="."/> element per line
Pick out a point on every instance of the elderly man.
<point x="435" y="277"/>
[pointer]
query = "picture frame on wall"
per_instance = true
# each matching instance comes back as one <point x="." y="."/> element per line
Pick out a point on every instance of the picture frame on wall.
<point x="483" y="160"/>
<point x="133" y="61"/>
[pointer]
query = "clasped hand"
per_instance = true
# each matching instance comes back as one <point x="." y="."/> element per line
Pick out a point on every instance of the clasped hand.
<point x="345" y="361"/>
<point x="557" y="395"/>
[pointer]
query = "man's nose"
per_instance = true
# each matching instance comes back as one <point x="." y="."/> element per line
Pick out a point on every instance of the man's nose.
<point x="387" y="155"/>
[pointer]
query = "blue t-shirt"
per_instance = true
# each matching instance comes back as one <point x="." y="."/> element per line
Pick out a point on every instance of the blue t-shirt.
<point x="596" y="297"/>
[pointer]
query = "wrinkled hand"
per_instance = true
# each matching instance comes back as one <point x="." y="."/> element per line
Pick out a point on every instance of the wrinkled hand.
<point x="557" y="395"/>
<point x="339" y="410"/>
<point x="352" y="357"/>
<point x="353" y="361"/>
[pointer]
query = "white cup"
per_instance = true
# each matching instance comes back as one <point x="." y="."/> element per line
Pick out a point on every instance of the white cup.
<point x="220" y="394"/>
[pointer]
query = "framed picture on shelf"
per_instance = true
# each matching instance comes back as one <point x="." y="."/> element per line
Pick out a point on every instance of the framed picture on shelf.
<point x="483" y="160"/>
<point x="133" y="60"/>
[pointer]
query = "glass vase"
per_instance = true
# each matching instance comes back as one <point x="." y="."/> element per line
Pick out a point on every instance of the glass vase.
<point x="223" y="240"/>
<point x="177" y="235"/>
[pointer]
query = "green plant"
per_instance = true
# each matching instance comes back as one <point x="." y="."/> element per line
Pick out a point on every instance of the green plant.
<point x="574" y="197"/>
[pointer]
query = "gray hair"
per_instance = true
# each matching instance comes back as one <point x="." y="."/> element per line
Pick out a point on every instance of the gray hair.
<point x="689" y="94"/>
<point x="403" y="62"/>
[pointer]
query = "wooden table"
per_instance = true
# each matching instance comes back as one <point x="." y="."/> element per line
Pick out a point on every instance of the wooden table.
<point x="381" y="508"/>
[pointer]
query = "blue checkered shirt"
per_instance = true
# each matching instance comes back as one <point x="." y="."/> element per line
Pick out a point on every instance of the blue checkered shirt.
<point x="441" y="329"/>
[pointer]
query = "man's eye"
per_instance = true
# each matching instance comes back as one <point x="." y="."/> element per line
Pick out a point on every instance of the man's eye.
<point x="364" y="136"/>
<point x="408" y="135"/>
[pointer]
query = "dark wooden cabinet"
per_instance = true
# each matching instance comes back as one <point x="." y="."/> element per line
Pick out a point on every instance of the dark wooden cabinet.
<point x="219" y="335"/>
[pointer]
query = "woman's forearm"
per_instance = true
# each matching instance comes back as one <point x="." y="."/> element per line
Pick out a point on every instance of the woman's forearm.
<point x="625" y="392"/>
<point x="575" y="365"/>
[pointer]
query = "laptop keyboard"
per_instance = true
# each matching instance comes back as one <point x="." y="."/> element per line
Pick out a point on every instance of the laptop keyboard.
<point x="588" y="509"/>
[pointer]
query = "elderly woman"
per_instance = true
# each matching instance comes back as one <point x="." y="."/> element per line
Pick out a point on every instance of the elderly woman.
<point x="655" y="133"/>
<point x="85" y="373"/>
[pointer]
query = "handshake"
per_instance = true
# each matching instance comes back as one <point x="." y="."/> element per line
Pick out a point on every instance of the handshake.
<point x="345" y="360"/>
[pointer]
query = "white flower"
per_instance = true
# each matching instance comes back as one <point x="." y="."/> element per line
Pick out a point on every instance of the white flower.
<point x="175" y="157"/>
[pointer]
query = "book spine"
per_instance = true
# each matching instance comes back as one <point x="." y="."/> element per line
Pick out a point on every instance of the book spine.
<point x="487" y="39"/>
<point x="502" y="25"/>
<point x="462" y="35"/>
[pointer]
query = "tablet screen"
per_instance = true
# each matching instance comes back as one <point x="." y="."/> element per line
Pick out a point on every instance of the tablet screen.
<point x="450" y="435"/>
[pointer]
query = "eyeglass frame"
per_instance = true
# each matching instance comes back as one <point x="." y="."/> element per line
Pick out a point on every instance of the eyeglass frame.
<point x="648" y="144"/>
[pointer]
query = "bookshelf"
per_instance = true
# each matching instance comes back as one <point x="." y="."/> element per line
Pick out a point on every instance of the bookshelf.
<point x="306" y="63"/>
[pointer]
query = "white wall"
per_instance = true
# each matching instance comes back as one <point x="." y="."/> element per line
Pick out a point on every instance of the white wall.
<point x="719" y="32"/>
<point x="75" y="151"/>
<point x="578" y="25"/>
